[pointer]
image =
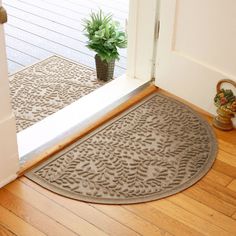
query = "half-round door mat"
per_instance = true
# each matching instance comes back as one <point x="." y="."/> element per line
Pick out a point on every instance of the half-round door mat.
<point x="155" y="149"/>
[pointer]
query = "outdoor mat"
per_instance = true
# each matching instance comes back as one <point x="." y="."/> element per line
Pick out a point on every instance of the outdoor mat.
<point x="48" y="86"/>
<point x="154" y="149"/>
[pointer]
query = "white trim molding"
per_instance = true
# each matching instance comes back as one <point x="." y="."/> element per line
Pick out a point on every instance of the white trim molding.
<point x="8" y="180"/>
<point x="8" y="150"/>
<point x="9" y="159"/>
<point x="141" y="38"/>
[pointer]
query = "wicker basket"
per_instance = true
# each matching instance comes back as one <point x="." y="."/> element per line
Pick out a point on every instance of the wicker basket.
<point x="105" y="70"/>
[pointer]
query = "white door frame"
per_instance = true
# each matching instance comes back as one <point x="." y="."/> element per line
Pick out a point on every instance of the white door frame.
<point x="143" y="17"/>
<point x="37" y="139"/>
<point x="9" y="161"/>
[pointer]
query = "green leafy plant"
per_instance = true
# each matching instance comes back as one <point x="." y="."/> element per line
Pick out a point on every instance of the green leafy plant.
<point x="104" y="35"/>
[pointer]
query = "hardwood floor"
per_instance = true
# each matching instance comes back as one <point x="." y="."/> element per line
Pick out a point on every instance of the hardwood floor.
<point x="38" y="29"/>
<point x="207" y="208"/>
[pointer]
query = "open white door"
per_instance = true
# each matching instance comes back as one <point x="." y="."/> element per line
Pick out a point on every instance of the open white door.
<point x="196" y="48"/>
<point x="8" y="147"/>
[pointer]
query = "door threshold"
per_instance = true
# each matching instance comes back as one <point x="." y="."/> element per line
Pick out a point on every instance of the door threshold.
<point x="130" y="95"/>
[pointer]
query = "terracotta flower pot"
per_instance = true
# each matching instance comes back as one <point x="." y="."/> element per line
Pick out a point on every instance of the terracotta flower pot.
<point x="104" y="70"/>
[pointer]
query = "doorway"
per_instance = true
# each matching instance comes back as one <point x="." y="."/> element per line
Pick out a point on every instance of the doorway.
<point x="46" y="44"/>
<point x="39" y="138"/>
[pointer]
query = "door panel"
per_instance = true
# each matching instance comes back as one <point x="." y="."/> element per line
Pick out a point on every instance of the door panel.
<point x="196" y="48"/>
<point x="211" y="30"/>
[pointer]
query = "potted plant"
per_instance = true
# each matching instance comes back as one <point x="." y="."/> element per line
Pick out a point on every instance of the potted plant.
<point x="104" y="37"/>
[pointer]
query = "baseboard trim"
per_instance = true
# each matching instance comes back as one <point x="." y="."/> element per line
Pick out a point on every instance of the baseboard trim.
<point x="8" y="180"/>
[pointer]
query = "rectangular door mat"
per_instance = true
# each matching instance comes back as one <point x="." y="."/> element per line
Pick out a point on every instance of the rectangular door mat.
<point x="48" y="86"/>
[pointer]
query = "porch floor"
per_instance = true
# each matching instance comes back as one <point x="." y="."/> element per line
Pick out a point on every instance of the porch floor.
<point x="38" y="29"/>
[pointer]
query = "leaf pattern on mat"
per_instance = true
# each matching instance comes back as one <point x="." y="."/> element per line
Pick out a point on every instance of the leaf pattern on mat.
<point x="48" y="86"/>
<point x="155" y="149"/>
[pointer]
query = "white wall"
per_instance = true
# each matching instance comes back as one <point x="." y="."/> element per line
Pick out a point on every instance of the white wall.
<point x="9" y="161"/>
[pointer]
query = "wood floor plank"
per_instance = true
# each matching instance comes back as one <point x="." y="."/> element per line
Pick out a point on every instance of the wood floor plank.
<point x="218" y="177"/>
<point x="224" y="168"/>
<point x="129" y="219"/>
<point x="53" y="210"/>
<point x="5" y="232"/>
<point x="204" y="212"/>
<point x="13" y="66"/>
<point x="55" y="48"/>
<point x="53" y="31"/>
<point x="83" y="8"/>
<point x="68" y="22"/>
<point x="32" y="216"/>
<point x="16" y="224"/>
<point x="55" y="23"/>
<point x="167" y="234"/>
<point x="232" y="185"/>
<point x="161" y="220"/>
<point x="14" y="55"/>
<point x="49" y="12"/>
<point x="229" y="136"/>
<point x="226" y="157"/>
<point x="61" y="13"/>
<point x="191" y="220"/>
<point x="85" y="211"/>
<point x="210" y="200"/>
<point x="28" y="48"/>
<point x="47" y="24"/>
<point x="117" y="4"/>
<point x="218" y="190"/>
<point x="44" y="43"/>
<point x="234" y="216"/>
<point x="55" y="28"/>
<point x="227" y="147"/>
<point x="50" y="35"/>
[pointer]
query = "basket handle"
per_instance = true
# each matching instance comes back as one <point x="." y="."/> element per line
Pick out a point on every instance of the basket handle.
<point x="218" y="86"/>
